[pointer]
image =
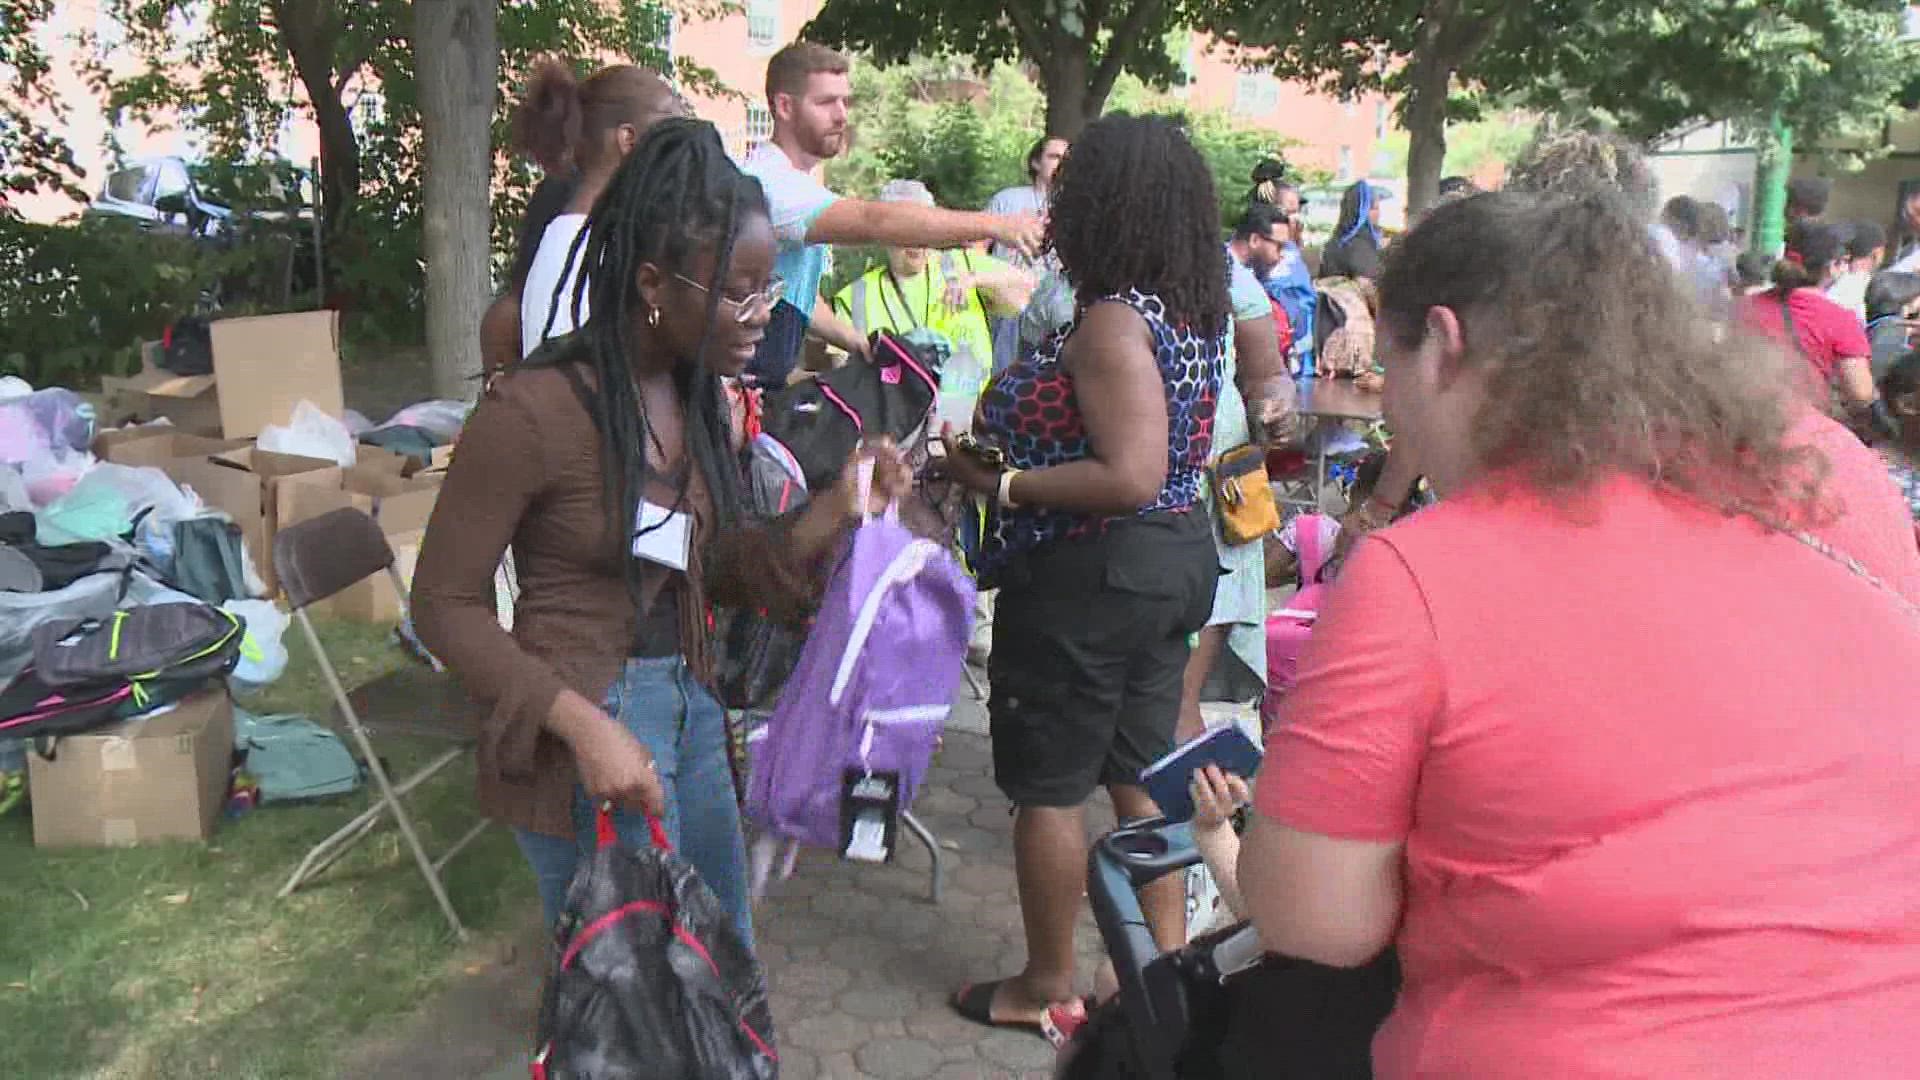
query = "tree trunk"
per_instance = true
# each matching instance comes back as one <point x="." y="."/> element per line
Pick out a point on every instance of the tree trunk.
<point x="1064" y="77"/>
<point x="311" y="41"/>
<point x="339" y="165"/>
<point x="1451" y="34"/>
<point x="458" y="57"/>
<point x="1426" y="115"/>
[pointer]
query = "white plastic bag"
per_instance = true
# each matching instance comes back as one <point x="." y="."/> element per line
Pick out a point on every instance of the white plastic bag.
<point x="13" y="491"/>
<point x="312" y="434"/>
<point x="51" y="474"/>
<point x="263" y="653"/>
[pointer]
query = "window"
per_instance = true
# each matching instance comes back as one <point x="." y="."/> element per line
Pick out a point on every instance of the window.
<point x="172" y="180"/>
<point x="759" y="125"/>
<point x="1381" y="116"/>
<point x="369" y="109"/>
<point x="125" y="185"/>
<point x="763" y="23"/>
<point x="1345" y="171"/>
<point x="1255" y="93"/>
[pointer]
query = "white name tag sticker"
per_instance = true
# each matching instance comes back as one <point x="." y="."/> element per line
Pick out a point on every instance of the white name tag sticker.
<point x="662" y="536"/>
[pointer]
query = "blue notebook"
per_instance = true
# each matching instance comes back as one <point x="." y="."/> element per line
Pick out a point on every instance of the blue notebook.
<point x="1170" y="780"/>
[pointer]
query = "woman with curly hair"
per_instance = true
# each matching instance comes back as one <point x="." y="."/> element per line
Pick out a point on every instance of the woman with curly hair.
<point x="1556" y="738"/>
<point x="1096" y="446"/>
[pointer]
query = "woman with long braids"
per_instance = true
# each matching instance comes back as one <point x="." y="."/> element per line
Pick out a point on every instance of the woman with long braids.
<point x="609" y="463"/>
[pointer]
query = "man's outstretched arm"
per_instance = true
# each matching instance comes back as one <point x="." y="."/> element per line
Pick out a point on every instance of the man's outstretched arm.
<point x="859" y="221"/>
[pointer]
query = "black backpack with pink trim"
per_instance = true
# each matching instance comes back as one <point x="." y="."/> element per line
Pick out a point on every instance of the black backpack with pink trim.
<point x="820" y="420"/>
<point x="649" y="978"/>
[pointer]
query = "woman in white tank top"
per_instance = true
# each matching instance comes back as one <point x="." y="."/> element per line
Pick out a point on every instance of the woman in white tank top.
<point x="590" y="126"/>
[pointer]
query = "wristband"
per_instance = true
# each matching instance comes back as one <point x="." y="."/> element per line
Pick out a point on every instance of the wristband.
<point x="1006" y="489"/>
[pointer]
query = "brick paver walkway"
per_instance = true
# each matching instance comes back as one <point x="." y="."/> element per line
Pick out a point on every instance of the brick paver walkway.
<point x="861" y="964"/>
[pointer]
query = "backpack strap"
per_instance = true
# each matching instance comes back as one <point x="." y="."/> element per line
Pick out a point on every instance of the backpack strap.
<point x="1793" y="331"/>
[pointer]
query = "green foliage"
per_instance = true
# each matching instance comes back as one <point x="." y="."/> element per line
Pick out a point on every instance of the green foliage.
<point x="961" y="151"/>
<point x="1471" y="146"/>
<point x="1079" y="50"/>
<point x="238" y="71"/>
<point x="1831" y="67"/>
<point x="965" y="151"/>
<point x="80" y="298"/>
<point x="1231" y="152"/>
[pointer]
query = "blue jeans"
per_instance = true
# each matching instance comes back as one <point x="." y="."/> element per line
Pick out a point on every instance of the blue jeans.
<point x="686" y="729"/>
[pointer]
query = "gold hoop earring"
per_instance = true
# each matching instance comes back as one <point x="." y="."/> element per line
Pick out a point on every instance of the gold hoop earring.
<point x="653" y="316"/>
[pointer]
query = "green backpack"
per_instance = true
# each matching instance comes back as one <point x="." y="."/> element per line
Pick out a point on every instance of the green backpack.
<point x="292" y="758"/>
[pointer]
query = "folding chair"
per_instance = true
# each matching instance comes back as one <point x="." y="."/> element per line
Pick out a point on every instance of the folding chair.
<point x="316" y="559"/>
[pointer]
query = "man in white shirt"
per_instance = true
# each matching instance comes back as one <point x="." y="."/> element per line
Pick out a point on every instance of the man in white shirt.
<point x="1029" y="198"/>
<point x="809" y="94"/>
<point x="1866" y="250"/>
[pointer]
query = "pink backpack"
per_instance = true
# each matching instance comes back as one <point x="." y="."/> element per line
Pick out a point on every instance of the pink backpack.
<point x="1288" y="628"/>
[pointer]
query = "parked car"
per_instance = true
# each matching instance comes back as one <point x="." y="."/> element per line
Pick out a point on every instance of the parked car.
<point x="230" y="206"/>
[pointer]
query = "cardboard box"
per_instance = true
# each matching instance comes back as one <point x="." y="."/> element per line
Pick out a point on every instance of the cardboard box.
<point x="157" y="446"/>
<point x="248" y="485"/>
<point x="159" y="777"/>
<point x="188" y="402"/>
<point x="401" y="505"/>
<point x="263" y="367"/>
<point x="268" y="364"/>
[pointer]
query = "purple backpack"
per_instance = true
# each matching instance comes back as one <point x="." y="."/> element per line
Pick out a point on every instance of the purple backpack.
<point x="855" y="729"/>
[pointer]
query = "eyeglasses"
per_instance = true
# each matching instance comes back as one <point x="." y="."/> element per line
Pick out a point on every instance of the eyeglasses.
<point x="745" y="306"/>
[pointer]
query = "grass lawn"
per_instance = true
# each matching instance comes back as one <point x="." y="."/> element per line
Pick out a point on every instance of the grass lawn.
<point x="177" y="960"/>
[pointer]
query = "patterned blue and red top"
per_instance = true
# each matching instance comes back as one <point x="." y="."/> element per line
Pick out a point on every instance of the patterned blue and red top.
<point x="1030" y="412"/>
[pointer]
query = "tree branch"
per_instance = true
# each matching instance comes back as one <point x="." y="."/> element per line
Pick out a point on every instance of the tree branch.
<point x="1125" y="37"/>
<point x="1032" y="41"/>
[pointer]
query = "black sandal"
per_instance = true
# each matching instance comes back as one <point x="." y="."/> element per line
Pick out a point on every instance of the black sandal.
<point x="975" y="1002"/>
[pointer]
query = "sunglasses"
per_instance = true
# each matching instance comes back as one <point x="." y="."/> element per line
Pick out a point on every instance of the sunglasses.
<point x="744" y="307"/>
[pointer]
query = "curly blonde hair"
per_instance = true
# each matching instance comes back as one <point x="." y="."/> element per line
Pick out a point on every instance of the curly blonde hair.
<point x="1583" y="162"/>
<point x="1597" y="364"/>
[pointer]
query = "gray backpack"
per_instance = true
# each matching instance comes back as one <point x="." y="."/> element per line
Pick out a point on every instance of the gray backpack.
<point x="163" y="651"/>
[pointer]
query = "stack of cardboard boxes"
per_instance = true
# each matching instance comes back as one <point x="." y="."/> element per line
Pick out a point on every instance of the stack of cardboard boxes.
<point x="263" y="367"/>
<point x="165" y="775"/>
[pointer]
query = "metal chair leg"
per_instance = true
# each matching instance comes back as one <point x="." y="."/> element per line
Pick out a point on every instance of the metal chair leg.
<point x="933" y="852"/>
<point x="387" y="793"/>
<point x="328" y="851"/>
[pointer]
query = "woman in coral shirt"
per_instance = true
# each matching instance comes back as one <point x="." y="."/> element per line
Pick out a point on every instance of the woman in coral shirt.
<point x="1578" y="740"/>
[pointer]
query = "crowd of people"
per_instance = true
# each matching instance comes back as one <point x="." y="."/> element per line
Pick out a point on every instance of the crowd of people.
<point x="1576" y="740"/>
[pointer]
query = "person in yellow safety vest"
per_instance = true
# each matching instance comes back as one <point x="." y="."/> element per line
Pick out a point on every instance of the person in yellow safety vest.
<point x="951" y="293"/>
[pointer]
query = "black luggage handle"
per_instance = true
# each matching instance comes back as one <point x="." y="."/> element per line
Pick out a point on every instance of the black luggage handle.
<point x="1120" y="864"/>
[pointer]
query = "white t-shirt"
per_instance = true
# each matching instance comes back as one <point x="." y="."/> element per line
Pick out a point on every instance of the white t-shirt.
<point x="1025" y="199"/>
<point x="794" y="200"/>
<point x="551" y="271"/>
<point x="1849" y="290"/>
